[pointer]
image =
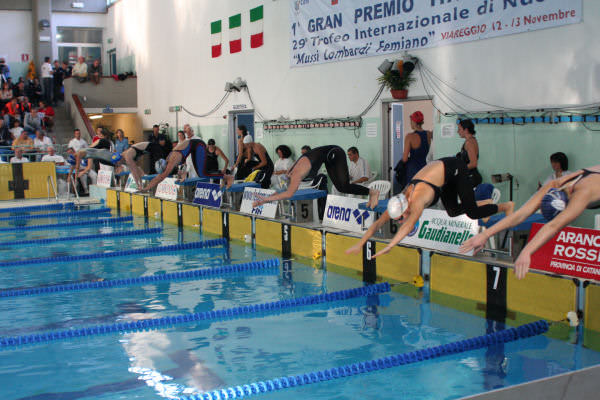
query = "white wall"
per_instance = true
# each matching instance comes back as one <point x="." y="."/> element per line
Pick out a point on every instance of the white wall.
<point x="16" y="37"/>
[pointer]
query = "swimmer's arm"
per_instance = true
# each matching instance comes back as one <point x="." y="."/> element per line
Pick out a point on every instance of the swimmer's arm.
<point x="369" y="233"/>
<point x="224" y="157"/>
<point x="292" y="188"/>
<point x="405" y="229"/>
<point x="240" y="154"/>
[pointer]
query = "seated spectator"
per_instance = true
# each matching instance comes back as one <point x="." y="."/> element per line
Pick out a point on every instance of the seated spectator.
<point x="19" y="89"/>
<point x="24" y="106"/>
<point x="32" y="121"/>
<point x="95" y="72"/>
<point x="560" y="167"/>
<point x="4" y="70"/>
<point x="121" y="144"/>
<point x="77" y="143"/>
<point x="180" y="137"/>
<point x="358" y="167"/>
<point x="305" y="149"/>
<point x="282" y="166"/>
<point x="5" y="94"/>
<point x="12" y="112"/>
<point x="80" y="70"/>
<point x="6" y="137"/>
<point x="24" y="142"/>
<point x="16" y="130"/>
<point x="18" y="158"/>
<point x="47" y="114"/>
<point x="35" y="91"/>
<point x="53" y="157"/>
<point x="41" y="141"/>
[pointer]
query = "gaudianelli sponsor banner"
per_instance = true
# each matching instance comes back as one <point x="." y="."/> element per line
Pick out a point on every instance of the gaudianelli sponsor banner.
<point x="104" y="178"/>
<point x="573" y="252"/>
<point x="343" y="213"/>
<point x="334" y="30"/>
<point x="251" y="195"/>
<point x="208" y="194"/>
<point x="437" y="231"/>
<point x="167" y="189"/>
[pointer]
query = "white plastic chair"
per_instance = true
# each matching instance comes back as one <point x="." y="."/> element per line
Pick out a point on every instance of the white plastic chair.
<point x="496" y="195"/>
<point x="383" y="187"/>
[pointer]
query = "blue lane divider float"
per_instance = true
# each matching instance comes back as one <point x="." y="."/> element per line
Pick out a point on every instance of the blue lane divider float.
<point x="166" y="322"/>
<point x="99" y="236"/>
<point x="286" y="382"/>
<point x="85" y="222"/>
<point x="121" y="253"/>
<point x="58" y="206"/>
<point x="77" y="213"/>
<point x="198" y="274"/>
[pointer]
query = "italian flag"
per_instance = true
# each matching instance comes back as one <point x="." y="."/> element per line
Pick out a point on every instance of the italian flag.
<point x="235" y="33"/>
<point x="256" y="27"/>
<point x="215" y="38"/>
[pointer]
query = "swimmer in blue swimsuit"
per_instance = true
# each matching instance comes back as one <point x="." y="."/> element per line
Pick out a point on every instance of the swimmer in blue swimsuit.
<point x="195" y="148"/>
<point x="581" y="191"/>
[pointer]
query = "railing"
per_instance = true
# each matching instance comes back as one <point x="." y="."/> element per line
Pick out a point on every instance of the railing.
<point x="6" y="152"/>
<point x="83" y="115"/>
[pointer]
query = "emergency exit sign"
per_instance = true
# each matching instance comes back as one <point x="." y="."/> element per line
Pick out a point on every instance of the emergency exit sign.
<point x="174" y="108"/>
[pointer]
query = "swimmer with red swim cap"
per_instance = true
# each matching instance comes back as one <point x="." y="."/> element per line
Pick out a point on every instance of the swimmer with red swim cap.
<point x="561" y="201"/>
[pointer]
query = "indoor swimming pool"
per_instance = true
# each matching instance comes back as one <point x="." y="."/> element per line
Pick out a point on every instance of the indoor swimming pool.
<point x="70" y="292"/>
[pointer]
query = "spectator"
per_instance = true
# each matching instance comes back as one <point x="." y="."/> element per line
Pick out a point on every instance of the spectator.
<point x="121" y="144"/>
<point x="80" y="70"/>
<point x="16" y="130"/>
<point x="77" y="143"/>
<point x="6" y="137"/>
<point x="47" y="114"/>
<point x="5" y="95"/>
<point x="41" y="141"/>
<point x="19" y="89"/>
<point x="67" y="68"/>
<point x="47" y="81"/>
<point x="560" y="167"/>
<point x="32" y="121"/>
<point x="154" y="135"/>
<point x="18" y="158"/>
<point x="416" y="147"/>
<point x="213" y="153"/>
<point x="82" y="172"/>
<point x="96" y="72"/>
<point x="59" y="76"/>
<point x="12" y="112"/>
<point x="189" y="132"/>
<point x="305" y="149"/>
<point x="180" y="137"/>
<point x="24" y="142"/>
<point x="53" y="157"/>
<point x="282" y="166"/>
<point x="469" y="152"/>
<point x="4" y="70"/>
<point x="24" y="107"/>
<point x="358" y="167"/>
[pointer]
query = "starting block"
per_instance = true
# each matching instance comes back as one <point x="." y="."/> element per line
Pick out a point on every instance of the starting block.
<point x="233" y="198"/>
<point x="389" y="229"/>
<point x="303" y="205"/>
<point x="515" y="238"/>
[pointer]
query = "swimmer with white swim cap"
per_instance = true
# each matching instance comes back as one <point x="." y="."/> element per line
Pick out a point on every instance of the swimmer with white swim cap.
<point x="446" y="179"/>
<point x="561" y="201"/>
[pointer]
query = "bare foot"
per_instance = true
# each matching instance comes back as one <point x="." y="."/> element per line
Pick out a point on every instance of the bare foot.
<point x="373" y="198"/>
<point x="510" y="208"/>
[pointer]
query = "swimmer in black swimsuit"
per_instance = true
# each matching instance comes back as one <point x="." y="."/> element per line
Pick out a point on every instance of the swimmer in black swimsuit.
<point x="308" y="165"/>
<point x="134" y="152"/>
<point x="195" y="148"/>
<point x="446" y="179"/>
<point x="583" y="191"/>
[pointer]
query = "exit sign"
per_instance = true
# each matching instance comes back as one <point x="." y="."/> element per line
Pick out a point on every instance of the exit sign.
<point x="174" y="108"/>
<point x="147" y="111"/>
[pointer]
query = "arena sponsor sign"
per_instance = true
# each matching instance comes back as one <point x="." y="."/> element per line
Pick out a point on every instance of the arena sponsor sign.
<point x="574" y="252"/>
<point x="251" y="195"/>
<point x="208" y="194"/>
<point x="167" y="189"/>
<point x="326" y="31"/>
<point x="343" y="213"/>
<point x="104" y="178"/>
<point x="130" y="185"/>
<point x="437" y="231"/>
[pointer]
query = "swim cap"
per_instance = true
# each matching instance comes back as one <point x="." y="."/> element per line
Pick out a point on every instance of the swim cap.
<point x="248" y="139"/>
<point x="115" y="158"/>
<point x="71" y="159"/>
<point x="553" y="203"/>
<point x="417" y="117"/>
<point x="397" y="205"/>
<point x="160" y="165"/>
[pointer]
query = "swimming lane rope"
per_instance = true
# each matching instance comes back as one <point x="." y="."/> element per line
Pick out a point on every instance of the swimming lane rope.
<point x="166" y="322"/>
<point x="57" y="215"/>
<point x="198" y="274"/>
<point x="85" y="222"/>
<point x="99" y="236"/>
<point x="285" y="382"/>
<point x="121" y="253"/>
<point x="58" y="206"/>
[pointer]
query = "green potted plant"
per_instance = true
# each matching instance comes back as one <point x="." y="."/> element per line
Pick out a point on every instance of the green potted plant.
<point x="398" y="78"/>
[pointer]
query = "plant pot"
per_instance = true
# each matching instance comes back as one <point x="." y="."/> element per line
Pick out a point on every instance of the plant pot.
<point x="399" y="94"/>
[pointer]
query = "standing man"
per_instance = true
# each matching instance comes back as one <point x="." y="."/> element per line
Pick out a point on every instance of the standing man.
<point x="59" y="76"/>
<point x="47" y="81"/>
<point x="189" y="132"/>
<point x="77" y="143"/>
<point x="358" y="167"/>
<point x="155" y="133"/>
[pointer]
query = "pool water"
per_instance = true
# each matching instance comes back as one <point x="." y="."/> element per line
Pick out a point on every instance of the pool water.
<point x="196" y="357"/>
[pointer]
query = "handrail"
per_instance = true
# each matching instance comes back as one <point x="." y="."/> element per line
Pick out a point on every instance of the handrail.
<point x="83" y="114"/>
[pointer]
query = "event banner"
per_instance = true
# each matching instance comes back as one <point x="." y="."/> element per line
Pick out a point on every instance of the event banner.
<point x="335" y="30"/>
<point x="343" y="213"/>
<point x="167" y="189"/>
<point x="573" y="252"/>
<point x="250" y="195"/>
<point x="104" y="178"/>
<point x="208" y="194"/>
<point x="437" y="231"/>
